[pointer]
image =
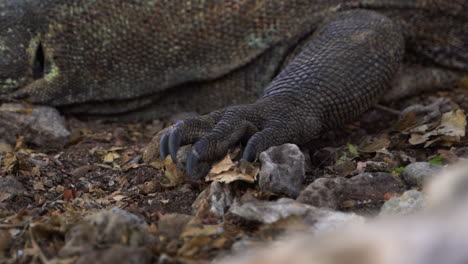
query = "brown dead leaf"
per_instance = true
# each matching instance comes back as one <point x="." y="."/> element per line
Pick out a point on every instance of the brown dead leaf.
<point x="230" y="176"/>
<point x="6" y="240"/>
<point x="173" y="175"/>
<point x="4" y="147"/>
<point x="195" y="228"/>
<point x="39" y="186"/>
<point x="227" y="171"/>
<point x="10" y="163"/>
<point x="20" y="143"/>
<point x="119" y="197"/>
<point x="451" y="128"/>
<point x="464" y="83"/>
<point x="81" y="171"/>
<point x="36" y="172"/>
<point x="23" y="109"/>
<point x="69" y="194"/>
<point x="192" y="247"/>
<point x="14" y="163"/>
<point x="130" y="166"/>
<point x="375" y="145"/>
<point x="348" y="203"/>
<point x="223" y="165"/>
<point x="408" y="121"/>
<point x="110" y="157"/>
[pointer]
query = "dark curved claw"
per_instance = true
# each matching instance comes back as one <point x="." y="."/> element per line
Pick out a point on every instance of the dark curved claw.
<point x="192" y="162"/>
<point x="175" y="138"/>
<point x="249" y="153"/>
<point x="163" y="145"/>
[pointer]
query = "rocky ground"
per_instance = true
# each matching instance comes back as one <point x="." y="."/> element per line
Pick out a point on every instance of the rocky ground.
<point x="89" y="191"/>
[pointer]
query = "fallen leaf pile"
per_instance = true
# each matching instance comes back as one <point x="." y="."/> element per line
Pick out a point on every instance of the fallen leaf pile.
<point x="99" y="199"/>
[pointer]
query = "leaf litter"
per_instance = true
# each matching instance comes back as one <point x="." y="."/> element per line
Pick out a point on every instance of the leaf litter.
<point x="53" y="196"/>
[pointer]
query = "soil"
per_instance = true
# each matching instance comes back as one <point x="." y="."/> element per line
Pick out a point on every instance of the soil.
<point x="102" y="167"/>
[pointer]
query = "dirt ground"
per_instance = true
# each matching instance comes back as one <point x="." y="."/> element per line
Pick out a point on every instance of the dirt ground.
<point x="44" y="193"/>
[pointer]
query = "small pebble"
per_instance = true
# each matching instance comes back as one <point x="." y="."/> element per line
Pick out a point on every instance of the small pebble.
<point x="42" y="126"/>
<point x="411" y="201"/>
<point x="282" y="170"/>
<point x="330" y="192"/>
<point x="419" y="173"/>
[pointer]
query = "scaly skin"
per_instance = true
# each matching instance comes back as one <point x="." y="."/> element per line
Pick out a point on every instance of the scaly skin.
<point x="323" y="62"/>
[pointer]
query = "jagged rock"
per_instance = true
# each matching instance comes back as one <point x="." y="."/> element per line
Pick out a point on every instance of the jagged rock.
<point x="268" y="212"/>
<point x="42" y="126"/>
<point x="214" y="200"/>
<point x="10" y="187"/>
<point x="172" y="225"/>
<point x="436" y="235"/>
<point x="282" y="170"/>
<point x="115" y="226"/>
<point x="330" y="192"/>
<point x="418" y="173"/>
<point x="410" y="202"/>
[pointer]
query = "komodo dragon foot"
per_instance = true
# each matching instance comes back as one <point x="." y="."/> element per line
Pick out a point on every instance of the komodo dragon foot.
<point x="348" y="64"/>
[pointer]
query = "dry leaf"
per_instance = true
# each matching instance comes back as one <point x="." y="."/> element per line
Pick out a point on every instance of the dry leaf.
<point x="4" y="147"/>
<point x="39" y="186"/>
<point x="69" y="194"/>
<point x="375" y="145"/>
<point x="10" y="163"/>
<point x="230" y="176"/>
<point x="449" y="131"/>
<point x="224" y="165"/>
<point x="227" y="171"/>
<point x="130" y="166"/>
<point x="36" y="172"/>
<point x="110" y="157"/>
<point x="19" y="109"/>
<point x="119" y="197"/>
<point x="173" y="175"/>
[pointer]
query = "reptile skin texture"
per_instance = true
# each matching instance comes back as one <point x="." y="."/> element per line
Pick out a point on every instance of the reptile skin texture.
<point x="279" y="70"/>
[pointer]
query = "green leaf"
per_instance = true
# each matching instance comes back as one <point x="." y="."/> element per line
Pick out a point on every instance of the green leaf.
<point x="437" y="160"/>
<point x="353" y="149"/>
<point x="342" y="159"/>
<point x="397" y="170"/>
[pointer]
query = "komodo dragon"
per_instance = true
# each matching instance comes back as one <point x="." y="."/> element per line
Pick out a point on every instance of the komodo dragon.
<point x="313" y="64"/>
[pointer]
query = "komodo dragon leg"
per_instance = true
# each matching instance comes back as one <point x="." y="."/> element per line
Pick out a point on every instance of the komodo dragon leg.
<point x="349" y="63"/>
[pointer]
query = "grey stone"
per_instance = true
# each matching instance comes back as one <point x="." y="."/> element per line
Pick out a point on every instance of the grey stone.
<point x="131" y="219"/>
<point x="214" y="200"/>
<point x="418" y="173"/>
<point x="269" y="212"/>
<point x="117" y="254"/>
<point x="9" y="187"/>
<point x="438" y="234"/>
<point x="410" y="202"/>
<point x="282" y="170"/>
<point x="172" y="225"/>
<point x="43" y="126"/>
<point x="330" y="192"/>
<point x="115" y="226"/>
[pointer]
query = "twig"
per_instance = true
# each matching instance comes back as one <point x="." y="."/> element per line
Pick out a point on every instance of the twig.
<point x="8" y="226"/>
<point x="38" y="248"/>
<point x="387" y="109"/>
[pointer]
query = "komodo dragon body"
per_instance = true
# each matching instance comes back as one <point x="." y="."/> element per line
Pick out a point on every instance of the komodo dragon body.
<point x="314" y="64"/>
